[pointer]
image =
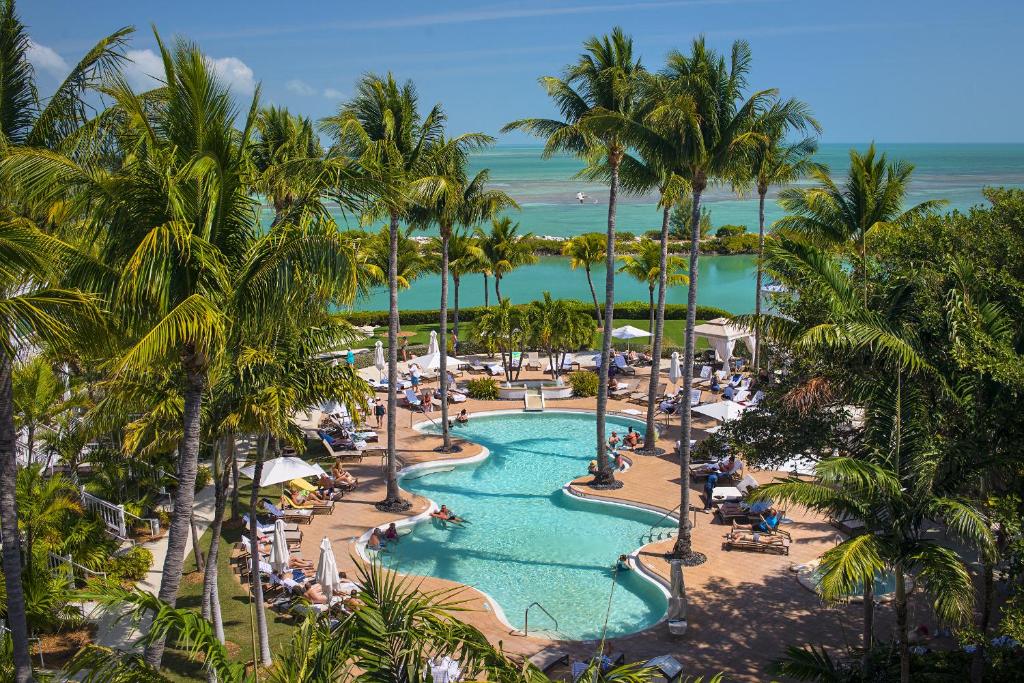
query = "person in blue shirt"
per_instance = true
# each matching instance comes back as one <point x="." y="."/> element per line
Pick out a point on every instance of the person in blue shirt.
<point x="769" y="521"/>
<point x="351" y="357"/>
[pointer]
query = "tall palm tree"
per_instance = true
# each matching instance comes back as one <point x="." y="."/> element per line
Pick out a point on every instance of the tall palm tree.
<point x="605" y="78"/>
<point x="644" y="266"/>
<point x="38" y="398"/>
<point x="775" y="162"/>
<point x="504" y="249"/>
<point x="713" y="132"/>
<point x="464" y="258"/>
<point x="584" y="251"/>
<point x="282" y="145"/>
<point x="26" y="120"/>
<point x="456" y="199"/>
<point x="844" y="216"/>
<point x="382" y="127"/>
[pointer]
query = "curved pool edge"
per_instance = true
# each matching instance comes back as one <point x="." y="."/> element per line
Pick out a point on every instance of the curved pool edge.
<point x="645" y="572"/>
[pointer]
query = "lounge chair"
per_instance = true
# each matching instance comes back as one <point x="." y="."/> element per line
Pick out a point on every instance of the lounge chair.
<point x="623" y="390"/>
<point x="568" y="363"/>
<point x="772" y="541"/>
<point x="641" y="396"/>
<point x="317" y="508"/>
<point x="456" y="397"/>
<point x="695" y="397"/>
<point x="348" y="454"/>
<point x="516" y="360"/>
<point x="757" y="398"/>
<point x="623" y="366"/>
<point x="269" y="528"/>
<point x="668" y="666"/>
<point x="300" y="516"/>
<point x="477" y="369"/>
<point x="741" y="396"/>
<point x="548" y="658"/>
<point x="495" y="369"/>
<point x="849" y="525"/>
<point x="704" y="378"/>
<point x="533" y="361"/>
<point x="411" y="399"/>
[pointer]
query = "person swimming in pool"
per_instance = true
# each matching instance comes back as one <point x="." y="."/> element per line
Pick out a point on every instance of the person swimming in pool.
<point x="446" y="515"/>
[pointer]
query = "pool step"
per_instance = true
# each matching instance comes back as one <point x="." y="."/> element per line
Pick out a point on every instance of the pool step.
<point x="533" y="401"/>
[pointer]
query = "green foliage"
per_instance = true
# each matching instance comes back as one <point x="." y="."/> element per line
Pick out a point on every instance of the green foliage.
<point x="203" y="477"/>
<point x="682" y="215"/>
<point x="131" y="565"/>
<point x="583" y="383"/>
<point x="730" y="230"/>
<point x="482" y="388"/>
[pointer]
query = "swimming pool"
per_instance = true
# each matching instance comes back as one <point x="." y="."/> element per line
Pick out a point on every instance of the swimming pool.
<point x="528" y="540"/>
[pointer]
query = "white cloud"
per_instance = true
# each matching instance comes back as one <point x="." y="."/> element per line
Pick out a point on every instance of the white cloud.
<point x="146" y="71"/>
<point x="46" y="59"/>
<point x="300" y="87"/>
<point x="333" y="94"/>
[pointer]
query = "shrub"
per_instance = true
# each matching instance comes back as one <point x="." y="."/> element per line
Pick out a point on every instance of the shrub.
<point x="583" y="383"/>
<point x="483" y="388"/>
<point x="739" y="244"/>
<point x="731" y="230"/>
<point x="653" y="234"/>
<point x="203" y="477"/>
<point x="627" y="236"/>
<point x="131" y="565"/>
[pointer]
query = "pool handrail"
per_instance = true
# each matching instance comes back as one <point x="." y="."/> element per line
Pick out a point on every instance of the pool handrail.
<point x="526" y="617"/>
<point x="650" y="532"/>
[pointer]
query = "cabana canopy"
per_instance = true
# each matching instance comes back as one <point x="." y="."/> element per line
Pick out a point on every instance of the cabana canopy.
<point x="723" y="335"/>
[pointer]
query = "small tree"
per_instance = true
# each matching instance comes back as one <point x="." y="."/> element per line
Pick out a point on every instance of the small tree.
<point x="681" y="216"/>
<point x="504" y="329"/>
<point x="557" y="328"/>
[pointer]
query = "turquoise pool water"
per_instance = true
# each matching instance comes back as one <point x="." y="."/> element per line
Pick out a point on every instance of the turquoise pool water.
<point x="527" y="540"/>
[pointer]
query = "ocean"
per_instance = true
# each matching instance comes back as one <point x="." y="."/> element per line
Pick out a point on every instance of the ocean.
<point x="546" y="192"/>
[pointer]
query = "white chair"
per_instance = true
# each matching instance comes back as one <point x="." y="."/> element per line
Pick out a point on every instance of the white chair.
<point x="411" y="399"/>
<point x="741" y="396"/>
<point x="705" y="374"/>
<point x="568" y="361"/>
<point x="695" y="397"/>
<point x="620" y="363"/>
<point x="758" y="397"/>
<point x="495" y="369"/>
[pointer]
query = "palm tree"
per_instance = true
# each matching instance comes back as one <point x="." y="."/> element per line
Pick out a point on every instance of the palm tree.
<point x="605" y="79"/>
<point x="557" y="328"/>
<point x="775" y="162"/>
<point x="505" y="329"/>
<point x="283" y="145"/>
<point x="844" y="216"/>
<point x="382" y="128"/>
<point x="456" y="199"/>
<point x="464" y="258"/>
<point x="713" y="130"/>
<point x="644" y="265"/>
<point x="584" y="251"/>
<point x="38" y="397"/>
<point x="504" y="249"/>
<point x="26" y="256"/>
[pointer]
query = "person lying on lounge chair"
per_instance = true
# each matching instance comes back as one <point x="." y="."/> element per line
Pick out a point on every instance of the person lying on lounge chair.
<point x="342" y="477"/>
<point x="446" y="515"/>
<point x="303" y="497"/>
<point x="315" y="594"/>
<point x="769" y="521"/>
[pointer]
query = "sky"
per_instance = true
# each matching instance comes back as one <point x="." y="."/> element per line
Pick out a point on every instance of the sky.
<point x="892" y="71"/>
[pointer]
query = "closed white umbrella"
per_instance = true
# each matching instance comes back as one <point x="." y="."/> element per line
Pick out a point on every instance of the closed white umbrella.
<point x="378" y="357"/>
<point x="677" y="600"/>
<point x="279" y="549"/>
<point x="283" y="469"/>
<point x="432" y="346"/>
<point x="327" y="568"/>
<point x="673" y="368"/>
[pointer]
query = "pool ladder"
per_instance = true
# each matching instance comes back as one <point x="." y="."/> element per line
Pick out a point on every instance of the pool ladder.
<point x="526" y="617"/>
<point x="649" y="535"/>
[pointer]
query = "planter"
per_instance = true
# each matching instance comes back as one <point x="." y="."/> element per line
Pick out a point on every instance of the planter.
<point x="518" y="390"/>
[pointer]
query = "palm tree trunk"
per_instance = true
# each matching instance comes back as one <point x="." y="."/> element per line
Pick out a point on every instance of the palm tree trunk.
<point x="978" y="660"/>
<point x="593" y="294"/>
<point x="184" y="495"/>
<point x="220" y="482"/>
<point x="760" y="275"/>
<point x="393" y="498"/>
<point x="606" y="475"/>
<point x="254" y="568"/>
<point x="497" y="287"/>
<point x="486" y="292"/>
<point x="684" y="542"/>
<point x="869" y="628"/>
<point x="455" y="312"/>
<point x="902" y="637"/>
<point x="236" y="509"/>
<point x="443" y="361"/>
<point x="650" y="310"/>
<point x="651" y="435"/>
<point x="16" y="620"/>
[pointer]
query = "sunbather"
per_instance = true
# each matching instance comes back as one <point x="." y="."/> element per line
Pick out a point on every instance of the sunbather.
<point x="446" y="515"/>
<point x="769" y="521"/>
<point x="613" y="442"/>
<point x="375" y="541"/>
<point x="342" y="477"/>
<point x="391" y="533"/>
<point x="315" y="594"/>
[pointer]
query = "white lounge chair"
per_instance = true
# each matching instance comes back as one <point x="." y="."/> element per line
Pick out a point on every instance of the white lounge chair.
<point x="705" y="375"/>
<point x="495" y="369"/>
<point x="695" y="397"/>
<point x="623" y="366"/>
<point x="411" y="399"/>
<point x="568" y="362"/>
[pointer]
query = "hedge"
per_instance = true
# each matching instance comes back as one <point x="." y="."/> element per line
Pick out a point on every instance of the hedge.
<point x="627" y="310"/>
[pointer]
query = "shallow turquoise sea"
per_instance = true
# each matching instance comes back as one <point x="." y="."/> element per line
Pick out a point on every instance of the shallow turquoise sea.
<point x="546" y="192"/>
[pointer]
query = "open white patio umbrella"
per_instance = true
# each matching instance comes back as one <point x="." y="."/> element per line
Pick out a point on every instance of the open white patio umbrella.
<point x="327" y="568"/>
<point x="378" y="357"/>
<point x="284" y="469"/>
<point x="432" y="345"/>
<point x="723" y="411"/>
<point x="432" y="361"/>
<point x="673" y="368"/>
<point x="628" y="332"/>
<point x="279" y="549"/>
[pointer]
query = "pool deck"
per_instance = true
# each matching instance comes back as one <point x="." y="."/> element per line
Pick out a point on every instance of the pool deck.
<point x="744" y="607"/>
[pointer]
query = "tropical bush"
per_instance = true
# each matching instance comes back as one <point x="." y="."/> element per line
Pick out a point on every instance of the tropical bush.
<point x="583" y="383"/>
<point x="483" y="388"/>
<point x="203" y="477"/>
<point x="730" y="230"/>
<point x="131" y="565"/>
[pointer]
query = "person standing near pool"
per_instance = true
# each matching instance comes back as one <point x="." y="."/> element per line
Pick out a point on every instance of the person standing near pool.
<point x="378" y="412"/>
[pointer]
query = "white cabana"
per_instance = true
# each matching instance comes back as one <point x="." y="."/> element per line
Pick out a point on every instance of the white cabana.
<point x="327" y="568"/>
<point x="432" y="346"/>
<point x="723" y="411"/>
<point x="378" y="357"/>
<point x="432" y="361"/>
<point x="673" y="368"/>
<point x="723" y="335"/>
<point x="284" y="469"/>
<point x="279" y="555"/>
